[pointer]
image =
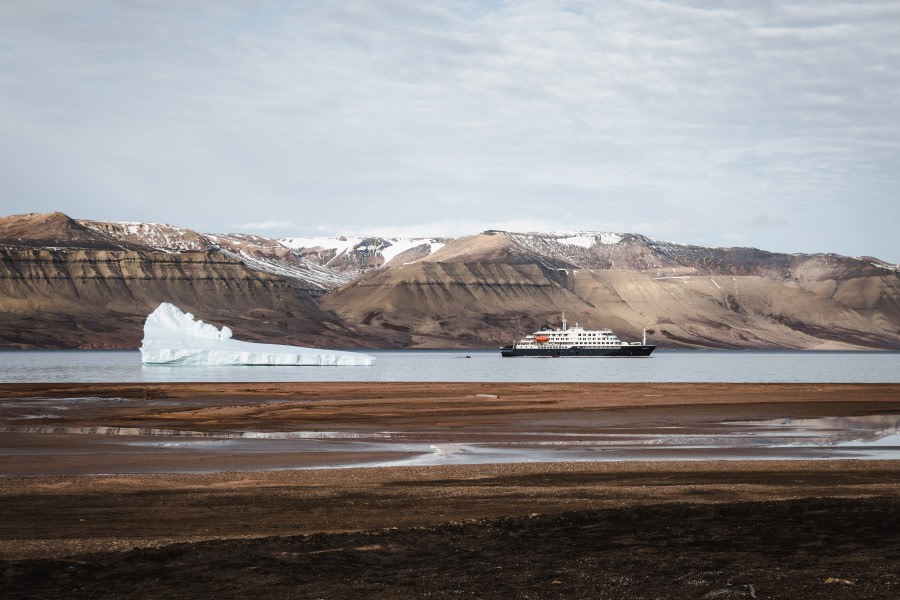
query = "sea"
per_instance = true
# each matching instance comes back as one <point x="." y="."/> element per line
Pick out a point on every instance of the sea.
<point x="689" y="366"/>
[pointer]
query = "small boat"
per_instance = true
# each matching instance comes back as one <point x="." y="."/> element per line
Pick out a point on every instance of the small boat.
<point x="576" y="341"/>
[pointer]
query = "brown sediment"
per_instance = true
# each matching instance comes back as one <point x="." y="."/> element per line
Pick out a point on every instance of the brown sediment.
<point x="420" y="413"/>
<point x="392" y="403"/>
<point x="810" y="528"/>
<point x="607" y="393"/>
<point x="58" y="516"/>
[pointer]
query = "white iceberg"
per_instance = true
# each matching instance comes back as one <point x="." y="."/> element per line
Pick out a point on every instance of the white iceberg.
<point x="172" y="337"/>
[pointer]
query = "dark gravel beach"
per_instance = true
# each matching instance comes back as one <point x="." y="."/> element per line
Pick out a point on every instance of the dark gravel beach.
<point x="811" y="548"/>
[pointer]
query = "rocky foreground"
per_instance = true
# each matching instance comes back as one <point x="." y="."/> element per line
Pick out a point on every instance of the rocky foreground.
<point x="799" y="548"/>
<point x="699" y="529"/>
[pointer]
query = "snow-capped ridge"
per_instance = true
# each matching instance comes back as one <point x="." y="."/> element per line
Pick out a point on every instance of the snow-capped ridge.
<point x="359" y="254"/>
<point x="159" y="236"/>
<point x="256" y="253"/>
<point x="587" y="240"/>
<point x="582" y="239"/>
<point x="270" y="256"/>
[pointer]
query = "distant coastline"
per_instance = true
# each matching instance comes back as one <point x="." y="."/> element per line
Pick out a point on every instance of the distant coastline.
<point x="70" y="283"/>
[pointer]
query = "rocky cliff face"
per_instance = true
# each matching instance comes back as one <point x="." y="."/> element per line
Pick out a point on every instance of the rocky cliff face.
<point x="257" y="253"/>
<point x="67" y="283"/>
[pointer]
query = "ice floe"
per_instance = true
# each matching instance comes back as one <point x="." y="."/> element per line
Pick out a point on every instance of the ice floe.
<point x="175" y="337"/>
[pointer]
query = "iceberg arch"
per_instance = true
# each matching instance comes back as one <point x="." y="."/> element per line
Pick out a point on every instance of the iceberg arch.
<point x="173" y="337"/>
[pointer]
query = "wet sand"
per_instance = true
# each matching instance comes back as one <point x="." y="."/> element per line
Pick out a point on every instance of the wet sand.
<point x="164" y="428"/>
<point x="805" y="528"/>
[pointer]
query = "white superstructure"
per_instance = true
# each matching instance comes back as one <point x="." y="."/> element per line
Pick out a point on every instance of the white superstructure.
<point x="577" y="336"/>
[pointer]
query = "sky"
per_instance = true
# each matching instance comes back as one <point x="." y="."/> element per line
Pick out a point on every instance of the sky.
<point x="767" y="124"/>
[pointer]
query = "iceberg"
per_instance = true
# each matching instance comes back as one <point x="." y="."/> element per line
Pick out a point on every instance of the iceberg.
<point x="173" y="337"/>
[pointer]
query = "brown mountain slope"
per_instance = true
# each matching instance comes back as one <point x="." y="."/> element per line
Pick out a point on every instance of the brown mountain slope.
<point x="494" y="247"/>
<point x="453" y="304"/>
<point x="496" y="286"/>
<point x="66" y="283"/>
<point x="85" y="291"/>
<point x="99" y="299"/>
<point x="51" y="229"/>
<point x="716" y="311"/>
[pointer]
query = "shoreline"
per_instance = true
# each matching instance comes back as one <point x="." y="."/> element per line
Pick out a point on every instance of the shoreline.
<point x="704" y="392"/>
<point x="547" y="529"/>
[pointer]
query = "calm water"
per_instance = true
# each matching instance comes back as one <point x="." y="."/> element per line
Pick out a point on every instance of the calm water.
<point x="485" y="365"/>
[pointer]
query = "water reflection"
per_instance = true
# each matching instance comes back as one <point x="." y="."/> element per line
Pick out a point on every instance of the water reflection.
<point x="870" y="437"/>
<point x="829" y="430"/>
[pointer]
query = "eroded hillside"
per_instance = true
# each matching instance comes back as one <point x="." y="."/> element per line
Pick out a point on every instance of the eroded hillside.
<point x="90" y="284"/>
<point x="65" y="285"/>
<point x="496" y="286"/>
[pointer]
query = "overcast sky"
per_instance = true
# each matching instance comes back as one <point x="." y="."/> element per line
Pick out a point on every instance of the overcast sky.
<point x="773" y="124"/>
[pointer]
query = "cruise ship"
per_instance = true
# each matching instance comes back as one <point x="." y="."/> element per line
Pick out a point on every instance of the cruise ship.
<point x="576" y="341"/>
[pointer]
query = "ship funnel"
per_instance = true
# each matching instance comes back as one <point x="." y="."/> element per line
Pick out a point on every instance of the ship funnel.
<point x="644" y="343"/>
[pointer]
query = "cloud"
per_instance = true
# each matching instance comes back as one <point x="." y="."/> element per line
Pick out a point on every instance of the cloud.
<point x="766" y="222"/>
<point x="262" y="226"/>
<point x="392" y="114"/>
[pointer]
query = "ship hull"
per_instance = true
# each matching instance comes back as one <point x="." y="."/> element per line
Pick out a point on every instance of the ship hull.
<point x="576" y="352"/>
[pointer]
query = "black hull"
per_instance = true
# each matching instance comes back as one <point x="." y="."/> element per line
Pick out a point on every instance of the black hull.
<point x="622" y="352"/>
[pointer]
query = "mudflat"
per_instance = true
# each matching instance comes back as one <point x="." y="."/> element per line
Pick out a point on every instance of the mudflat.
<point x="75" y="429"/>
<point x="710" y="528"/>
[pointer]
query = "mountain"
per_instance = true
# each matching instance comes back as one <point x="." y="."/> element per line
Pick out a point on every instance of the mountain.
<point x="53" y="230"/>
<point x="495" y="286"/>
<point x="255" y="252"/>
<point x="70" y="283"/>
<point x="356" y="255"/>
<point x="84" y="284"/>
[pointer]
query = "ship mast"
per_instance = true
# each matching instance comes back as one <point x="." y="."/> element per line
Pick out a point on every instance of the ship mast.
<point x="564" y="321"/>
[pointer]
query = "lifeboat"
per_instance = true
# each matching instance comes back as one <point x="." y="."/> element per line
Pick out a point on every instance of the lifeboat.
<point x="542" y="338"/>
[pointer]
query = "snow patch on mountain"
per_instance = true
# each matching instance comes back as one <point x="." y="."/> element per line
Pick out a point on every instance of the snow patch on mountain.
<point x="256" y="253"/>
<point x="307" y="273"/>
<point x="343" y="247"/>
<point x="571" y="247"/>
<point x="159" y="236"/>
<point x="556" y="239"/>
<point x="338" y="244"/>
<point x="173" y="337"/>
<point x="392" y="249"/>
<point x="397" y="246"/>
<point x="270" y="256"/>
<point x="589" y="239"/>
<point x="878" y="263"/>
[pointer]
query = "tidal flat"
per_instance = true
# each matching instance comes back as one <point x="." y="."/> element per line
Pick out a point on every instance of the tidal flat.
<point x="93" y="503"/>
